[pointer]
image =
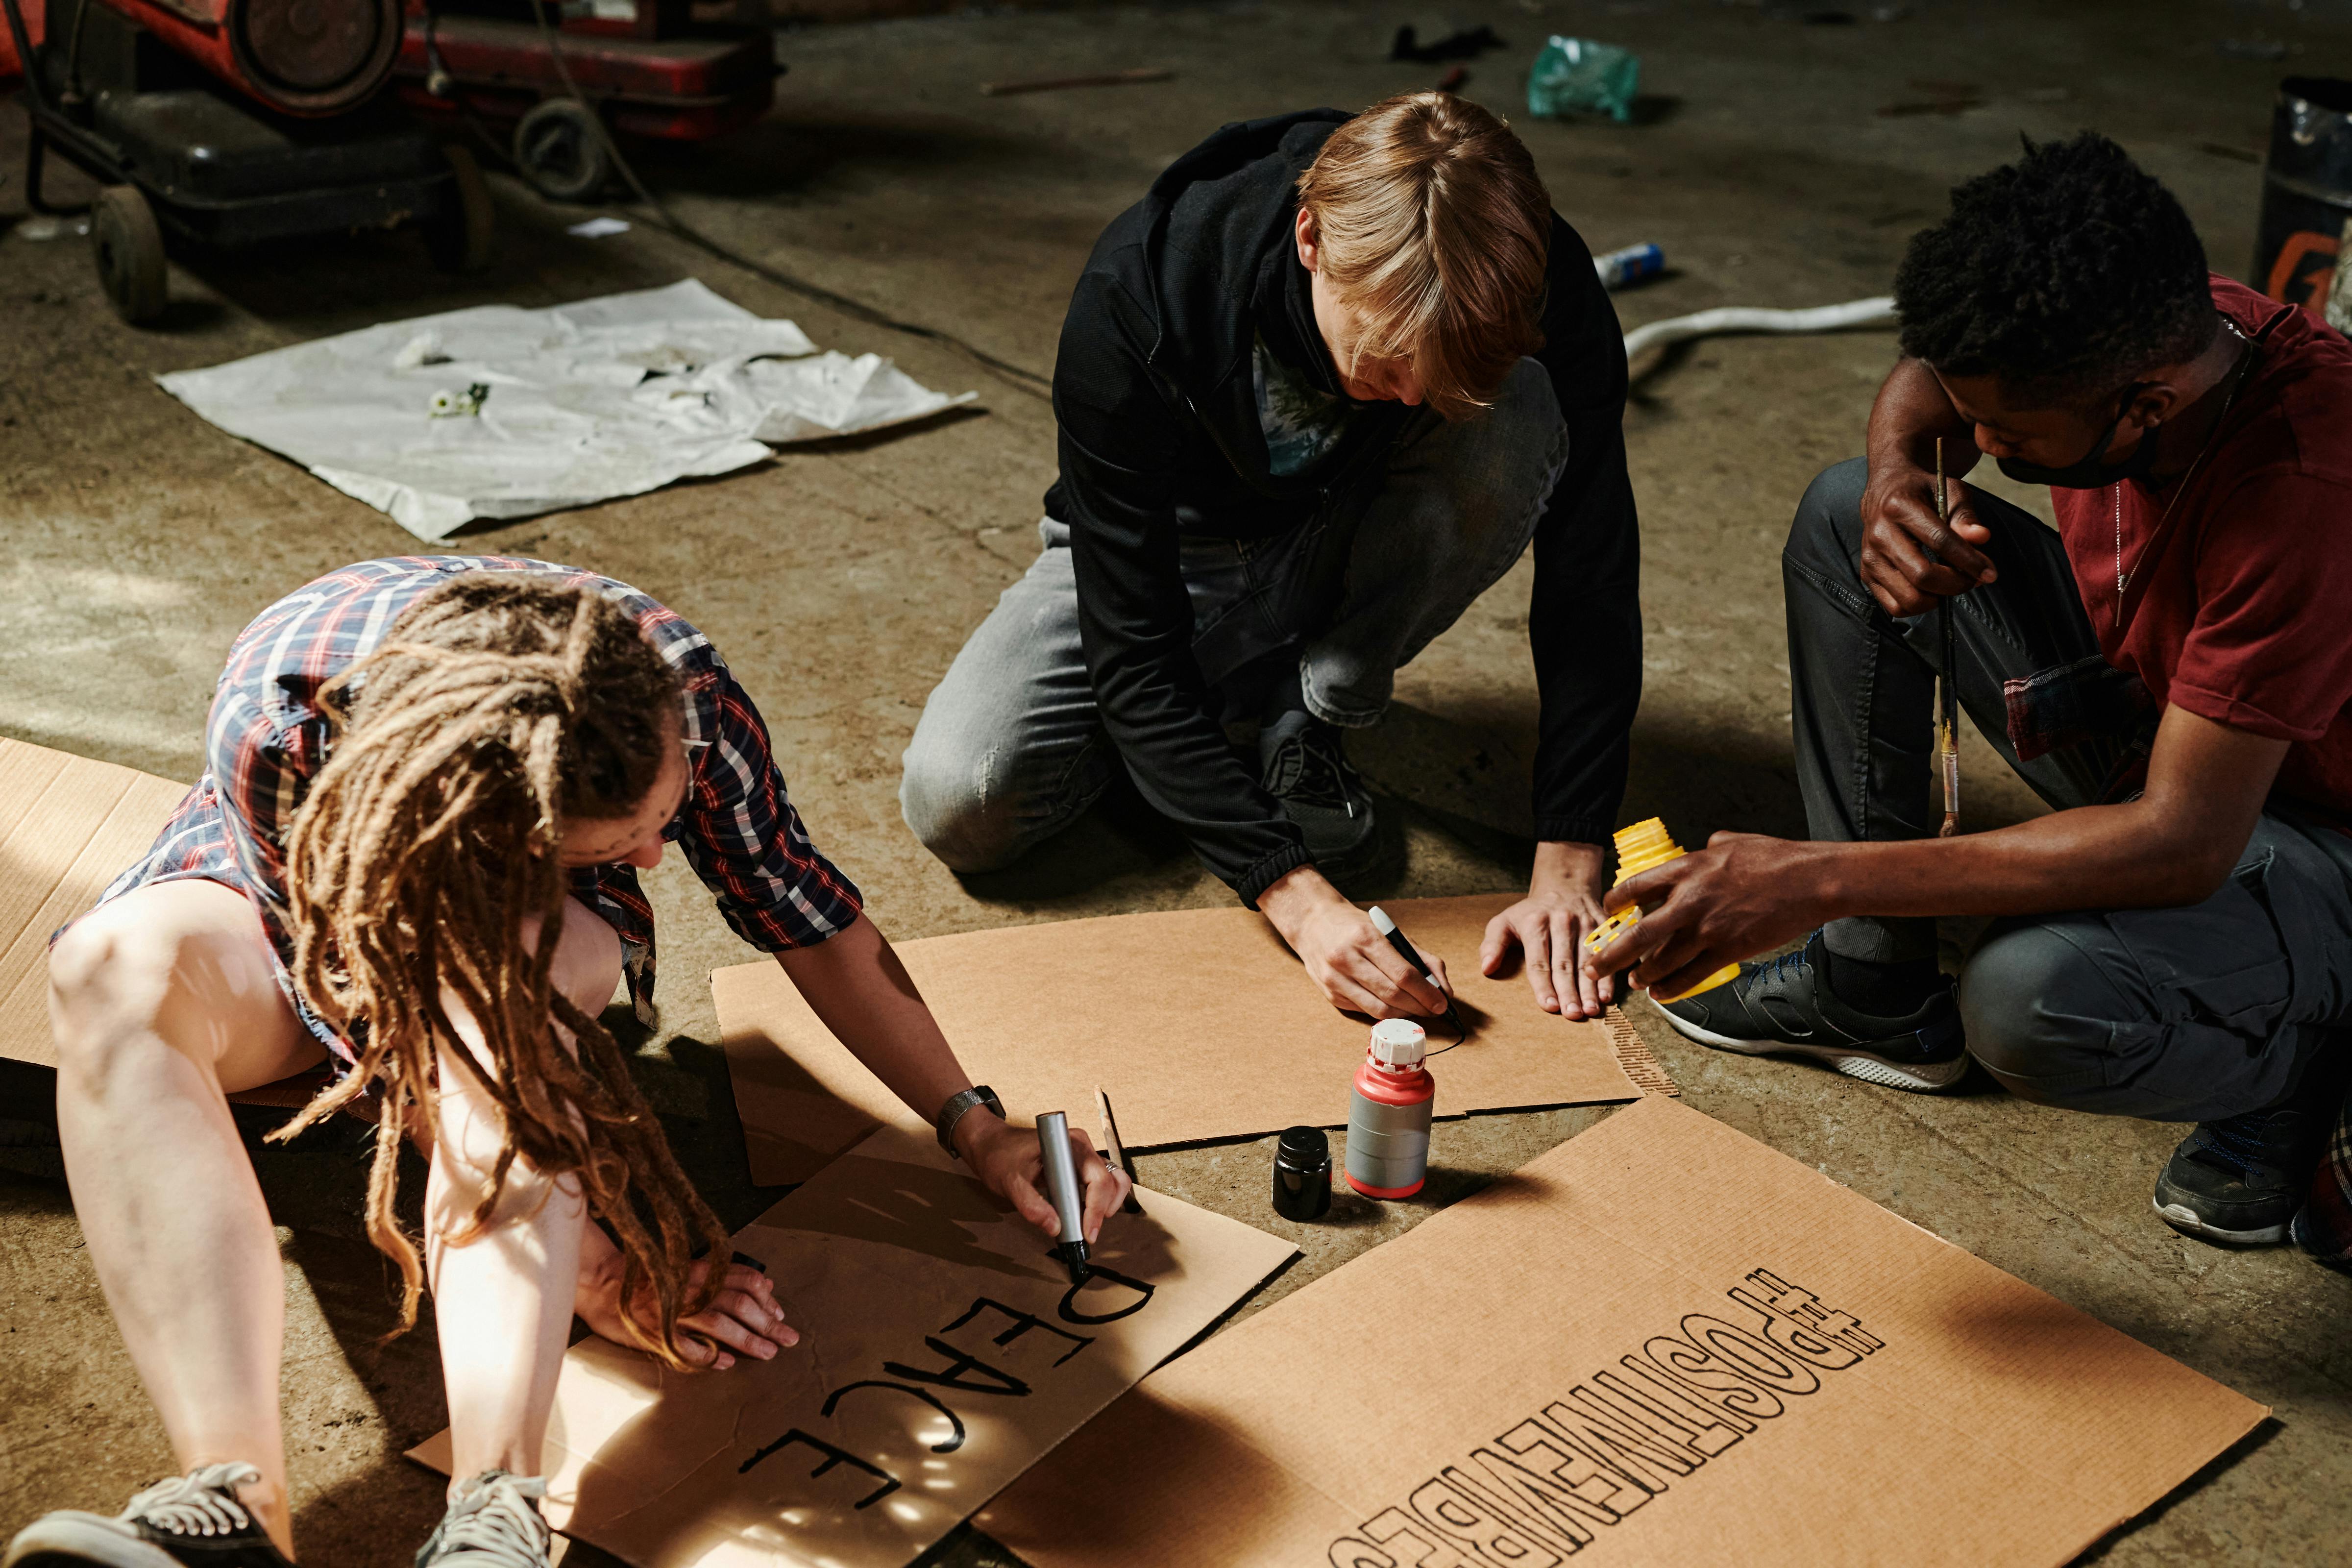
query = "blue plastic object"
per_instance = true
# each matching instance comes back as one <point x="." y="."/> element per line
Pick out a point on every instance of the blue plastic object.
<point x="1631" y="265"/>
<point x="1577" y="75"/>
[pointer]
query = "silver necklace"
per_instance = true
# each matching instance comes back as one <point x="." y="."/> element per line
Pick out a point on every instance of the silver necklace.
<point x="2245" y="364"/>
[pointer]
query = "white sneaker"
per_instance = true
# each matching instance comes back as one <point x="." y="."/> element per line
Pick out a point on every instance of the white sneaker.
<point x="493" y="1523"/>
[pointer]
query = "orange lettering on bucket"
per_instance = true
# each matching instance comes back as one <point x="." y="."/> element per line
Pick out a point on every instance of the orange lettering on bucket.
<point x="2297" y="266"/>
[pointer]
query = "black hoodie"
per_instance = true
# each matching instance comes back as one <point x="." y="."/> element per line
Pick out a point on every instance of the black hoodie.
<point x="1160" y="437"/>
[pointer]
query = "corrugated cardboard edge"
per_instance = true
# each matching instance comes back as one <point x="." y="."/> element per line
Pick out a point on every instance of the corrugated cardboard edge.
<point x="1634" y="1056"/>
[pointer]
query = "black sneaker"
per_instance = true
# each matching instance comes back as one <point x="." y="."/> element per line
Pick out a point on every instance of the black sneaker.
<point x="186" y="1521"/>
<point x="1306" y="769"/>
<point x="2242" y="1180"/>
<point x="1782" y="1007"/>
<point x="493" y="1523"/>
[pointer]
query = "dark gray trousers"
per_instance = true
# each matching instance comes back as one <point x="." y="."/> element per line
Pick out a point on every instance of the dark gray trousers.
<point x="2189" y="1013"/>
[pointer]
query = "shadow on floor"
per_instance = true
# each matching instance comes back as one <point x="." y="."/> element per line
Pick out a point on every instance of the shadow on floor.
<point x="797" y="148"/>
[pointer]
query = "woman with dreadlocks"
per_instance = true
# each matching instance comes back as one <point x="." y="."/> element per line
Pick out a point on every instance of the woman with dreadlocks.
<point x="431" y="783"/>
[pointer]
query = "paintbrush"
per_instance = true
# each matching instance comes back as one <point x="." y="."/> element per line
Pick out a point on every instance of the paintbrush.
<point x="1947" y="692"/>
<point x="1115" y="1152"/>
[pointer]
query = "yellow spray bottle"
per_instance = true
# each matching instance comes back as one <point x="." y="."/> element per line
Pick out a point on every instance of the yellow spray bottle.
<point x="1642" y="847"/>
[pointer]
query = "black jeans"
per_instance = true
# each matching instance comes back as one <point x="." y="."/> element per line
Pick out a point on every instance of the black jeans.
<point x="2188" y="1013"/>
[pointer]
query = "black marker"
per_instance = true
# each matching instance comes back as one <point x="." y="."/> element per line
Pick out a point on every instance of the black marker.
<point x="1061" y="1190"/>
<point x="1387" y="928"/>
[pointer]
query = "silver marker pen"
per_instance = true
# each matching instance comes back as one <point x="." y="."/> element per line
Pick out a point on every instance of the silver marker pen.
<point x="1062" y="1191"/>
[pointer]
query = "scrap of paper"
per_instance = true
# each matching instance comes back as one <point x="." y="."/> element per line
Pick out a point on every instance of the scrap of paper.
<point x="943" y="1349"/>
<point x="581" y="403"/>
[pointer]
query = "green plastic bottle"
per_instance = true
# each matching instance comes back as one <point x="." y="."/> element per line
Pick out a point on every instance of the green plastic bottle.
<point x="1577" y="75"/>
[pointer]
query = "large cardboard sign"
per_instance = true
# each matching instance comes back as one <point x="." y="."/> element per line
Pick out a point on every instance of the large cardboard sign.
<point x="1662" y="1344"/>
<point x="943" y="1350"/>
<point x="1199" y="1023"/>
<point x="68" y="828"/>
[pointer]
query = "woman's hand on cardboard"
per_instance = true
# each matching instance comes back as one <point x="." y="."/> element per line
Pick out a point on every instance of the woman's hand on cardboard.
<point x="743" y="1319"/>
<point x="1549" y="928"/>
<point x="1351" y="963"/>
<point x="1742" y="895"/>
<point x="1009" y="1163"/>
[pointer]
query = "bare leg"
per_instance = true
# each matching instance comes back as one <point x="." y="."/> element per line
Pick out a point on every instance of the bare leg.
<point x="164" y="1002"/>
<point x="503" y="1299"/>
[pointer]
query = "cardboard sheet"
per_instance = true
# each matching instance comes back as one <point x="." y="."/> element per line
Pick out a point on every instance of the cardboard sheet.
<point x="943" y="1351"/>
<point x="68" y="828"/>
<point x="1199" y="1023"/>
<point x="1662" y="1344"/>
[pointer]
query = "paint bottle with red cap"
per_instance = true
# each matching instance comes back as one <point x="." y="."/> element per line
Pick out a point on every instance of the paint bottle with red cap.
<point x="1388" y="1114"/>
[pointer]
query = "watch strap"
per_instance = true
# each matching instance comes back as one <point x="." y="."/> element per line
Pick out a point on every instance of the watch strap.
<point x="958" y="1107"/>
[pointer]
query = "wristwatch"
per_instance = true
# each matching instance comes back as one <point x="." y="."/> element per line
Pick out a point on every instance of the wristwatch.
<point x="953" y="1111"/>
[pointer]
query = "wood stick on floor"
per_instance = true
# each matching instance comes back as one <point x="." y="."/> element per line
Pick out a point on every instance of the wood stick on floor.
<point x="1056" y="83"/>
<point x="1114" y="1151"/>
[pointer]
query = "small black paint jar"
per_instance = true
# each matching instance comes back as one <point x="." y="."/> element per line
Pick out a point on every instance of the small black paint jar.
<point x="1302" y="1173"/>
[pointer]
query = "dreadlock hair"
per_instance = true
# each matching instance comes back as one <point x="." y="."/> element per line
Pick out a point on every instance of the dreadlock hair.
<point x="498" y="707"/>
<point x="2066" y="275"/>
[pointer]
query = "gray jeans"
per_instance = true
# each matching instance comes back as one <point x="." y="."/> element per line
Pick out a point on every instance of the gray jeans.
<point x="1011" y="749"/>
<point x="2189" y="1013"/>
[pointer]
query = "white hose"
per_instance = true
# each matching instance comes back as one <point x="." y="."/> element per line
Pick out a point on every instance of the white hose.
<point x="1877" y="312"/>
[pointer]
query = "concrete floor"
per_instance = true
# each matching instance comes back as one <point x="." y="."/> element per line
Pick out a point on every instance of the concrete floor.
<point x="840" y="582"/>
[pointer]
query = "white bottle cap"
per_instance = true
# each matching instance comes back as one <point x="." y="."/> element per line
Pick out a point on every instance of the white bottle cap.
<point x="1397" y="1044"/>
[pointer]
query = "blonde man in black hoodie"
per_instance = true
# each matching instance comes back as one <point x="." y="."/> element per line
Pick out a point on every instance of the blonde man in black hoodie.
<point x="1316" y="391"/>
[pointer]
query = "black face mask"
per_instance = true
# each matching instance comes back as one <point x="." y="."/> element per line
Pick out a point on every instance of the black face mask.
<point x="2093" y="472"/>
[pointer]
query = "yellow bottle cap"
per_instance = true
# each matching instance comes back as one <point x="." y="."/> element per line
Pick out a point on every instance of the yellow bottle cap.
<point x="1644" y="846"/>
<point x="1641" y="848"/>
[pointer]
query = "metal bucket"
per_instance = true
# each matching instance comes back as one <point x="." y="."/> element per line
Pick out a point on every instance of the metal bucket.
<point x="2306" y="190"/>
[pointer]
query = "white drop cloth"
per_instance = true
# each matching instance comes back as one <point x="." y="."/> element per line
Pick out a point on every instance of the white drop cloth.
<point x="605" y="397"/>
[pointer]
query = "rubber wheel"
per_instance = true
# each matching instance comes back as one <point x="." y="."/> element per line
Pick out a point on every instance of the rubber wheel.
<point x="459" y="235"/>
<point x="560" y="149"/>
<point x="128" y="246"/>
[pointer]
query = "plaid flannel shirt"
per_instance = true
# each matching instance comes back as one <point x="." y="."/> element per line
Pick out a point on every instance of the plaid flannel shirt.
<point x="267" y="739"/>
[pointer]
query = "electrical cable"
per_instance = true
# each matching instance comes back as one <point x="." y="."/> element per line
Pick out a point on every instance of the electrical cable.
<point x="1020" y="377"/>
<point x="73" y="93"/>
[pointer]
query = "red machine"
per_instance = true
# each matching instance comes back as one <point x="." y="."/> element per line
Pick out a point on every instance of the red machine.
<point x="645" y="68"/>
<point x="216" y="123"/>
<point x="298" y="56"/>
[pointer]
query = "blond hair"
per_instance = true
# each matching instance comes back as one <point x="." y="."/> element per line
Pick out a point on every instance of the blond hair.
<point x="1433" y="227"/>
<point x="499" y="708"/>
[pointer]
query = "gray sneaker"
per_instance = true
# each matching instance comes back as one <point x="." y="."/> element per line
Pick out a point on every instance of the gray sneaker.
<point x="493" y="1523"/>
<point x="185" y="1521"/>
